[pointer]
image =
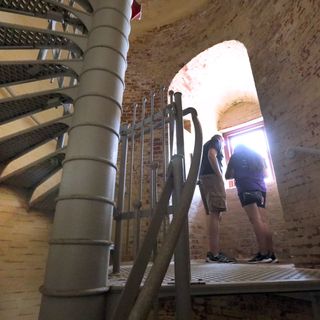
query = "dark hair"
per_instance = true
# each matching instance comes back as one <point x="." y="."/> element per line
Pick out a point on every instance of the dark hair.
<point x="254" y="160"/>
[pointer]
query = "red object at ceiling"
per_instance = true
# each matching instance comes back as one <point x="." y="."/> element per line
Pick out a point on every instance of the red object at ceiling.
<point x="135" y="10"/>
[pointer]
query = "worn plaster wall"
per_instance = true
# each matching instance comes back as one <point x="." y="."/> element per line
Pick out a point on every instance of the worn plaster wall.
<point x="282" y="39"/>
<point x="239" y="113"/>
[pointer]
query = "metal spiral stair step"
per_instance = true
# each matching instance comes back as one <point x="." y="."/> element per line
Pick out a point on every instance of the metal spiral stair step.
<point x="14" y="108"/>
<point x="16" y="72"/>
<point x="14" y="36"/>
<point x="46" y="9"/>
<point x="32" y="175"/>
<point x="46" y="202"/>
<point x="17" y="144"/>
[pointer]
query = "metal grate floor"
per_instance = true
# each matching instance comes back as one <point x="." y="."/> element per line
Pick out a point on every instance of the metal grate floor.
<point x="234" y="278"/>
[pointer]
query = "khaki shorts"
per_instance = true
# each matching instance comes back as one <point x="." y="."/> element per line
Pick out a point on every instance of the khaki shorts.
<point x="213" y="194"/>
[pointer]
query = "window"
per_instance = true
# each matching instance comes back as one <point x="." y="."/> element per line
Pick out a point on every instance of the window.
<point x="252" y="135"/>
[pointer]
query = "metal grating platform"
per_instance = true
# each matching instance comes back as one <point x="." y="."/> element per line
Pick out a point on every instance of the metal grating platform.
<point x="47" y="201"/>
<point x="215" y="279"/>
<point x="15" y="108"/>
<point x="30" y="176"/>
<point x="22" y="142"/>
<point x="17" y="72"/>
<point x="40" y="9"/>
<point x="21" y="37"/>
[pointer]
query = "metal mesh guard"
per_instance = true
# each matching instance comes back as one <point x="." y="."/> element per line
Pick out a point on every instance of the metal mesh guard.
<point x="17" y="73"/>
<point x="20" y="144"/>
<point x="33" y="175"/>
<point x="15" y="108"/>
<point x="20" y="38"/>
<point x="39" y="8"/>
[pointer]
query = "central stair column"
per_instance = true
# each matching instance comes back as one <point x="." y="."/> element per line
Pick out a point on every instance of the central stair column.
<point x="76" y="275"/>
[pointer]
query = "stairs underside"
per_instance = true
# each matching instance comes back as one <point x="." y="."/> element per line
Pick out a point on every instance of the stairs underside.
<point x="21" y="106"/>
<point x="59" y="49"/>
<point x="22" y="142"/>
<point x="46" y="202"/>
<point x="32" y="175"/>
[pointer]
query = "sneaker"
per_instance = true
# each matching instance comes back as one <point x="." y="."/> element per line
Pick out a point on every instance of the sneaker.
<point x="273" y="257"/>
<point x="221" y="258"/>
<point x="261" y="258"/>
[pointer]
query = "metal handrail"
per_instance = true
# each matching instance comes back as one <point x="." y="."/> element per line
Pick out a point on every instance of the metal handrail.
<point x="132" y="286"/>
<point x="153" y="283"/>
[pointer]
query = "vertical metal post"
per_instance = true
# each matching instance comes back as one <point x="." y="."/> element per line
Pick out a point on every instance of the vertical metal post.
<point x="153" y="168"/>
<point x="120" y="203"/>
<point x="138" y="204"/>
<point x="77" y="267"/>
<point x="165" y="148"/>
<point x="171" y="124"/>
<point x="133" y="125"/>
<point x="181" y="255"/>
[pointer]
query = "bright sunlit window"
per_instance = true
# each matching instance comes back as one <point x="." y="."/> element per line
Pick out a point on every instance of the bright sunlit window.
<point x="254" y="137"/>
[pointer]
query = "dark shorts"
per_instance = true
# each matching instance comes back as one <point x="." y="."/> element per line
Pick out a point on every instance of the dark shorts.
<point x="250" y="197"/>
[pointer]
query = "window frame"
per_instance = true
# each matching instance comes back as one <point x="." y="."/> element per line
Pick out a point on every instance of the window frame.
<point x="229" y="133"/>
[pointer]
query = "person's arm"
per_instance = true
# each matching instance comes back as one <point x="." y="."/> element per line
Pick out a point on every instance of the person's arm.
<point x="212" y="156"/>
<point x="230" y="171"/>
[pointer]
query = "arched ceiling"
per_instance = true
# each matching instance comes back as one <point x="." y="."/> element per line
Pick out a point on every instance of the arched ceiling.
<point x="158" y="13"/>
<point x="214" y="80"/>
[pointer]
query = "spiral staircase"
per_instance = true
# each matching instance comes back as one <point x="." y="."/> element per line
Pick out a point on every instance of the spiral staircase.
<point x="57" y="60"/>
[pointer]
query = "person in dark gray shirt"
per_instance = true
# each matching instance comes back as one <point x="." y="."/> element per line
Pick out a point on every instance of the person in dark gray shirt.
<point x="213" y="195"/>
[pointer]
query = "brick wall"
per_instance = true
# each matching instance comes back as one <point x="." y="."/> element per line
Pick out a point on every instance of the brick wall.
<point x="23" y="253"/>
<point x="248" y="307"/>
<point x="282" y="39"/>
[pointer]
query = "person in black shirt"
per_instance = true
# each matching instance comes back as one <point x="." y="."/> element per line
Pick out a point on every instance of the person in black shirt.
<point x="213" y="194"/>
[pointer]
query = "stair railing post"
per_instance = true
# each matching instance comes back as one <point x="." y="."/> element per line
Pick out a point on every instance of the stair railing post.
<point x="120" y="203"/>
<point x="181" y="254"/>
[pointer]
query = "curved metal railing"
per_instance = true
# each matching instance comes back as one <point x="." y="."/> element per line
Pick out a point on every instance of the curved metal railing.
<point x="152" y="285"/>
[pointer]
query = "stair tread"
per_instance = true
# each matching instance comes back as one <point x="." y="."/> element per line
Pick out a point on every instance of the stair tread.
<point x="14" y="108"/>
<point x="20" y="37"/>
<point x="30" y="176"/>
<point x="40" y="9"/>
<point x="16" y="145"/>
<point x="21" y="72"/>
<point x="46" y="202"/>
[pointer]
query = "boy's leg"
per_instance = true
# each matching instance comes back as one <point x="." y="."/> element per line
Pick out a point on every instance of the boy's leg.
<point x="258" y="225"/>
<point x="214" y="232"/>
<point x="269" y="241"/>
